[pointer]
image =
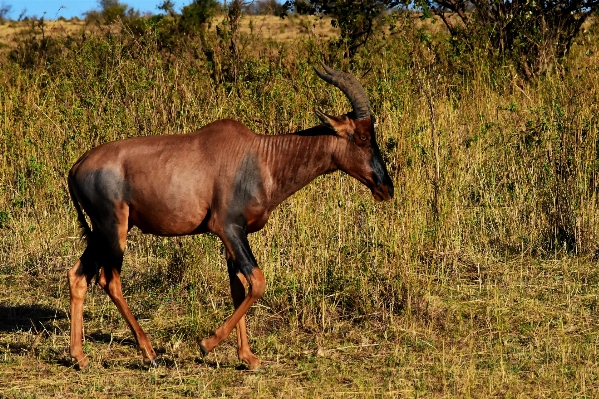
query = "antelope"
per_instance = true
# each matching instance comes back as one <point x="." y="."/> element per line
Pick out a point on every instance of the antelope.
<point x="224" y="179"/>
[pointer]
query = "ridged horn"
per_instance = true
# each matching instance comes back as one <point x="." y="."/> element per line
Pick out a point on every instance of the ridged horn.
<point x="350" y="86"/>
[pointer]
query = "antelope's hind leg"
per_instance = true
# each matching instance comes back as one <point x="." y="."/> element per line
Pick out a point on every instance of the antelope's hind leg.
<point x="79" y="277"/>
<point x="106" y="247"/>
<point x="110" y="281"/>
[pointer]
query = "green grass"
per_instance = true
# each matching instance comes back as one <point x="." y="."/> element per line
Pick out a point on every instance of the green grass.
<point x="494" y="295"/>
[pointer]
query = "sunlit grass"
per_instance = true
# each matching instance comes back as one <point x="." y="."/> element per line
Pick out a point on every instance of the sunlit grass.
<point x="497" y="296"/>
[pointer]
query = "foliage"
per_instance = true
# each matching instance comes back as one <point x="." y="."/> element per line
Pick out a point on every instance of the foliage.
<point x="4" y="11"/>
<point x="170" y="31"/>
<point x="111" y="11"/>
<point x="355" y="20"/>
<point x="265" y="7"/>
<point x="34" y="47"/>
<point x="168" y="7"/>
<point x="532" y="34"/>
<point x="196" y="15"/>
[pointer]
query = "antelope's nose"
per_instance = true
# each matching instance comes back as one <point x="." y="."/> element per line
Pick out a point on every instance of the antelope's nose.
<point x="386" y="192"/>
<point x="390" y="190"/>
<point x="387" y="187"/>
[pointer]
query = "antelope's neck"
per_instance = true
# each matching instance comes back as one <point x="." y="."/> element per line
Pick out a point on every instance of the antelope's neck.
<point x="292" y="161"/>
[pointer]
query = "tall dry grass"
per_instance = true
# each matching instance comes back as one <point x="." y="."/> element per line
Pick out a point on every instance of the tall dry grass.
<point x="479" y="280"/>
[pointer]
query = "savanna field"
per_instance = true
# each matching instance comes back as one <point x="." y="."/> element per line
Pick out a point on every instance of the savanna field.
<point x="479" y="279"/>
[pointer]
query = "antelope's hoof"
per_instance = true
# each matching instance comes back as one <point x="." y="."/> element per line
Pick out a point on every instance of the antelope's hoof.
<point x="80" y="364"/>
<point x="151" y="363"/>
<point x="203" y="348"/>
<point x="149" y="356"/>
<point x="252" y="362"/>
<point x="256" y="367"/>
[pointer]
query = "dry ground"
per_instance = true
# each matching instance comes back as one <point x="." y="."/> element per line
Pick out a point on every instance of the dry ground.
<point x="266" y="26"/>
<point x="518" y="329"/>
<point x="8" y="30"/>
<point x="263" y="25"/>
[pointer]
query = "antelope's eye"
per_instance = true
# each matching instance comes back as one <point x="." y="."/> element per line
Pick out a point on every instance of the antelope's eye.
<point x="363" y="138"/>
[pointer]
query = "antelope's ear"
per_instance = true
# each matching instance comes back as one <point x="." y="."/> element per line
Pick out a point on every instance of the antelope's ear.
<point x="336" y="124"/>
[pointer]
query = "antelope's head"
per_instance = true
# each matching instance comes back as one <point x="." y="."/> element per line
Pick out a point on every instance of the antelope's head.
<point x="357" y="153"/>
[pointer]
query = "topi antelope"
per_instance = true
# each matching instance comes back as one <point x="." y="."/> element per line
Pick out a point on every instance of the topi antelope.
<point x="223" y="179"/>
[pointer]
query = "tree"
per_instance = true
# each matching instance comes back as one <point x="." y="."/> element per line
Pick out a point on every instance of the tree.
<point x="532" y="33"/>
<point x="168" y="7"/>
<point x="355" y="19"/>
<point x="112" y="10"/>
<point x="197" y="14"/>
<point x="265" y="7"/>
<point x="4" y="11"/>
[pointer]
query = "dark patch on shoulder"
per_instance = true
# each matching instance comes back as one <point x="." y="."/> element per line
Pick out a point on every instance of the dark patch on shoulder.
<point x="247" y="187"/>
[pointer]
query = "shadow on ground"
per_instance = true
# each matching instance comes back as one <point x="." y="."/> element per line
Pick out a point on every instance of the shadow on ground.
<point x="26" y="317"/>
<point x="104" y="338"/>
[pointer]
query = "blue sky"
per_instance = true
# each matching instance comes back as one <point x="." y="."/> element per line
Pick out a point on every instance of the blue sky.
<point x="76" y="8"/>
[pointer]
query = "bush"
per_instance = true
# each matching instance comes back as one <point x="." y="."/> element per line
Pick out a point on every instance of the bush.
<point x="265" y="7"/>
<point x="111" y="11"/>
<point x="355" y="20"/>
<point x="196" y="15"/>
<point x="4" y="10"/>
<point x="530" y="34"/>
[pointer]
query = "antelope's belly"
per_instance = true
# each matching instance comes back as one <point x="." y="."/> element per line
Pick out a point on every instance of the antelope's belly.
<point x="168" y="219"/>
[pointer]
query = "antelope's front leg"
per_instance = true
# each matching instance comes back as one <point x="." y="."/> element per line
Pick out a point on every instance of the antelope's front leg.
<point x="238" y="291"/>
<point x="242" y="267"/>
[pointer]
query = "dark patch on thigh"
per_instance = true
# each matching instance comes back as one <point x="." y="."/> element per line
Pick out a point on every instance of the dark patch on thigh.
<point x="101" y="252"/>
<point x="103" y="185"/>
<point x="100" y="192"/>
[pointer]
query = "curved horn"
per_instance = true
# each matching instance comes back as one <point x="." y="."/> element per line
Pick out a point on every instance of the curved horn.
<point x="350" y="86"/>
